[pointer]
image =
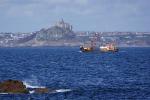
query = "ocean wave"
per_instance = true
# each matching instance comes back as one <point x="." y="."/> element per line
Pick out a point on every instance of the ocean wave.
<point x="28" y="85"/>
<point x="63" y="90"/>
<point x="31" y="92"/>
<point x="4" y="93"/>
<point x="80" y="51"/>
<point x="54" y="91"/>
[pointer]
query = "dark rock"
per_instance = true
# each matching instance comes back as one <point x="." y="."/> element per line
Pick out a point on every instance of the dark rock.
<point x="13" y="86"/>
<point x="41" y="90"/>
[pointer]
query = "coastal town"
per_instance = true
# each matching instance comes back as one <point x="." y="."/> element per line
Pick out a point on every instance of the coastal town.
<point x="62" y="34"/>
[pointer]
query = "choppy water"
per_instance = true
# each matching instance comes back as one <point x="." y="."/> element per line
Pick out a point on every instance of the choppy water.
<point x="76" y="75"/>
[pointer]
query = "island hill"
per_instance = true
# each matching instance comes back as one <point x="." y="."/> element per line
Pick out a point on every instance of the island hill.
<point x="62" y="34"/>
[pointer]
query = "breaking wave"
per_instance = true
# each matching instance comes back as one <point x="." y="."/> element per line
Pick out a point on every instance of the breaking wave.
<point x="63" y="90"/>
<point x="4" y="93"/>
<point x="28" y="85"/>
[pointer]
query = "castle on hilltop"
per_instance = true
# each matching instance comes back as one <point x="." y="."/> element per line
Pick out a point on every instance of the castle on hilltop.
<point x="64" y="25"/>
<point x="61" y="30"/>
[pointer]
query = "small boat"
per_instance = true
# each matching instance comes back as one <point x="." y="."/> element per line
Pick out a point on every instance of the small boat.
<point x="89" y="45"/>
<point x="109" y="48"/>
<point x="86" y="49"/>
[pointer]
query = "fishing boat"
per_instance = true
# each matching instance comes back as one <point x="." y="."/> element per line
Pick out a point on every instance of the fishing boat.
<point x="87" y="47"/>
<point x="109" y="48"/>
<point x="90" y="45"/>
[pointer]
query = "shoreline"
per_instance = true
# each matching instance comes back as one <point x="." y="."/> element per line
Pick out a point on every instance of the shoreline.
<point x="68" y="46"/>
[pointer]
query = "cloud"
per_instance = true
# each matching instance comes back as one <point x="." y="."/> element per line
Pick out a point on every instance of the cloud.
<point x="83" y="7"/>
<point x="31" y="7"/>
<point x="106" y="14"/>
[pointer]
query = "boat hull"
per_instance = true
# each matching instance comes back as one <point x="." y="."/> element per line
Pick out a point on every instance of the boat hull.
<point x="86" y="49"/>
<point x="106" y="49"/>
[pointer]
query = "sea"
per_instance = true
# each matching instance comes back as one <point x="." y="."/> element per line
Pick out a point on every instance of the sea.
<point x="76" y="75"/>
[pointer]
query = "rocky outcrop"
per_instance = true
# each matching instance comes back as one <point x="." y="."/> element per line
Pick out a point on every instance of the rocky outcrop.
<point x="13" y="86"/>
<point x="54" y="33"/>
<point x="17" y="87"/>
<point x="41" y="90"/>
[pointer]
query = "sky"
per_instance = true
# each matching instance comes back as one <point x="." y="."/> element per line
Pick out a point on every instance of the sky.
<point x="84" y="15"/>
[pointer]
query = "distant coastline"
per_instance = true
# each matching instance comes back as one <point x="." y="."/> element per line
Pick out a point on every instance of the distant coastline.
<point x="62" y="34"/>
<point x="68" y="47"/>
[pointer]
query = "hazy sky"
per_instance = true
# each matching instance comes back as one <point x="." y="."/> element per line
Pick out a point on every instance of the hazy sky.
<point x="84" y="15"/>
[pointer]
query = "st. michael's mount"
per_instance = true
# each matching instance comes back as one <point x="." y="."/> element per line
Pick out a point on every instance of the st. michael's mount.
<point x="62" y="34"/>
